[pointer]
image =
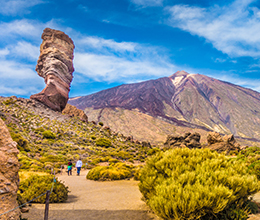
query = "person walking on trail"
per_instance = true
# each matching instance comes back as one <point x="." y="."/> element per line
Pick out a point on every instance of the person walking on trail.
<point x="69" y="168"/>
<point x="78" y="166"/>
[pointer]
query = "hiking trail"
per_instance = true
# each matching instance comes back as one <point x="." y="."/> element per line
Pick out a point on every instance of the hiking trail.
<point x="93" y="200"/>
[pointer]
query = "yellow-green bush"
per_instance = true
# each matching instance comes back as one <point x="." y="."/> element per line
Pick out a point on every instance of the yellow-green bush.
<point x="35" y="185"/>
<point x="251" y="156"/>
<point x="116" y="171"/>
<point x="103" y="142"/>
<point x="48" y="134"/>
<point x="195" y="184"/>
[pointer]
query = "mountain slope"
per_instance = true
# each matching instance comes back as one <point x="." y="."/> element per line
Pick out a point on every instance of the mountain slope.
<point x="187" y="100"/>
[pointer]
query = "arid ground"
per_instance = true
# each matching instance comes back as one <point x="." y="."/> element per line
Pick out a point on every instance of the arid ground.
<point x="92" y="200"/>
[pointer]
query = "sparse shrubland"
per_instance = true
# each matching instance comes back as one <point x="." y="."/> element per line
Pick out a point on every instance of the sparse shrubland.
<point x="47" y="139"/>
<point x="197" y="184"/>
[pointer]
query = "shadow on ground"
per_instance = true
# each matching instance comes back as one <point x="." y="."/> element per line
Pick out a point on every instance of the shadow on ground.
<point x="90" y="215"/>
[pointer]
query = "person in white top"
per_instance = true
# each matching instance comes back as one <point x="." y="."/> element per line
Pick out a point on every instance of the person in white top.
<point x="78" y="166"/>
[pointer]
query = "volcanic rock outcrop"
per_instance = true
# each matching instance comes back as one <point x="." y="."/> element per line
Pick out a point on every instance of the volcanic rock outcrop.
<point x="55" y="65"/>
<point x="190" y="140"/>
<point x="220" y="144"/>
<point x="9" y="179"/>
<point x="73" y="111"/>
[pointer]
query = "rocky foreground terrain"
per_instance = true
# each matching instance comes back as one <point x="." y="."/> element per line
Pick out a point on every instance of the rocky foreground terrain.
<point x="9" y="179"/>
<point x="182" y="102"/>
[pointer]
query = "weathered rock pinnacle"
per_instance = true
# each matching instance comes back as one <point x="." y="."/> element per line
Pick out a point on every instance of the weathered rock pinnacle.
<point x="55" y="65"/>
<point x="8" y="174"/>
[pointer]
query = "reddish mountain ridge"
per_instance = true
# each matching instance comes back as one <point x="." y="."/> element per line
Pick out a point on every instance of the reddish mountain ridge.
<point x="187" y="100"/>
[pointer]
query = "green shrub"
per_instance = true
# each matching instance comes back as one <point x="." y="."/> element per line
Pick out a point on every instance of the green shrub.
<point x="93" y="137"/>
<point x="22" y="143"/>
<point x="116" y="171"/>
<point x="101" y="123"/>
<point x="189" y="184"/>
<point x="251" y="156"/>
<point x="113" y="160"/>
<point x="103" y="142"/>
<point x="48" y="134"/>
<point x="153" y="151"/>
<point x="35" y="185"/>
<point x="39" y="130"/>
<point x="137" y="172"/>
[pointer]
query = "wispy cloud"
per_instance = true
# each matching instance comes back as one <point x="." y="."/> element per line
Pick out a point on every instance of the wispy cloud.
<point x="147" y="3"/>
<point x="107" y="60"/>
<point x="101" y="43"/>
<point x="112" y="68"/>
<point x="20" y="41"/>
<point x="26" y="50"/>
<point x="238" y="80"/>
<point x="24" y="28"/>
<point x="14" y="7"/>
<point x="19" y="79"/>
<point x="232" y="29"/>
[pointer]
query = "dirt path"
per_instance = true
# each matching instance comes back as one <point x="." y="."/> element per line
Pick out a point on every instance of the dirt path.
<point x="91" y="200"/>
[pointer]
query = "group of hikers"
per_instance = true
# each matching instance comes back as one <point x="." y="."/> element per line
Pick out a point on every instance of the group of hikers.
<point x="78" y="166"/>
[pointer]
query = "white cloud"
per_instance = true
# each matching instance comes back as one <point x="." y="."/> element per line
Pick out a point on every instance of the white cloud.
<point x="26" y="50"/>
<point x="147" y="3"/>
<point x="17" y="28"/>
<point x="4" y="52"/>
<point x="232" y="29"/>
<point x="101" y="43"/>
<point x="107" y="60"/>
<point x="14" y="7"/>
<point x="237" y="80"/>
<point x="16" y="71"/>
<point x="112" y="68"/>
<point x="19" y="79"/>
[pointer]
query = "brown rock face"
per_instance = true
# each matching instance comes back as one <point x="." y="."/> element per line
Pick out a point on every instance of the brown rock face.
<point x="8" y="174"/>
<point x="73" y="111"/>
<point x="222" y="144"/>
<point x="55" y="65"/>
<point x="190" y="140"/>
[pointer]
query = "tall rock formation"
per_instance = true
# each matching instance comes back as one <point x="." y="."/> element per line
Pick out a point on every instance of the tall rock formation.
<point x="9" y="179"/>
<point x="55" y="65"/>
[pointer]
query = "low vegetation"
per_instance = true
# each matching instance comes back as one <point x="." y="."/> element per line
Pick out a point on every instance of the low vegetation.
<point x="116" y="171"/>
<point x="197" y="184"/>
<point x="251" y="156"/>
<point x="35" y="185"/>
<point x="47" y="140"/>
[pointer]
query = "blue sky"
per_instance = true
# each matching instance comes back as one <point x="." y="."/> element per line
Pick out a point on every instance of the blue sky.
<point x="127" y="41"/>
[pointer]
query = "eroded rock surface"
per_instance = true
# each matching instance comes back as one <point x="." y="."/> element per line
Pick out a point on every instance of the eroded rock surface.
<point x="55" y="65"/>
<point x="190" y="140"/>
<point x="73" y="111"/>
<point x="9" y="179"/>
<point x="220" y="144"/>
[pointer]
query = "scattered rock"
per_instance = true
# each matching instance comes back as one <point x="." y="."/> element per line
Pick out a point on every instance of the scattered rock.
<point x="56" y="67"/>
<point x="24" y="209"/>
<point x="220" y="144"/>
<point x="190" y="140"/>
<point x="146" y="144"/>
<point x="73" y="111"/>
<point x="9" y="179"/>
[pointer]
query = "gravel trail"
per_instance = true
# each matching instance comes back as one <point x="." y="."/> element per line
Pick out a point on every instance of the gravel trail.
<point x="92" y="200"/>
